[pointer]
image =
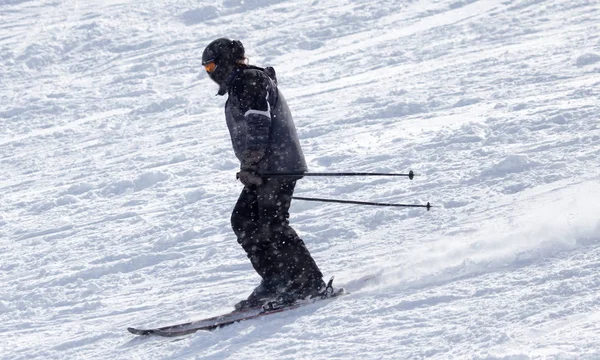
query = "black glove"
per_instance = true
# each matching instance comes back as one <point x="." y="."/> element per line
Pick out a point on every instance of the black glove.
<point x="249" y="178"/>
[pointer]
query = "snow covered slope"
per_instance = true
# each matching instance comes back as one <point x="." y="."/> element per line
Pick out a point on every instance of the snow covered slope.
<point x="117" y="178"/>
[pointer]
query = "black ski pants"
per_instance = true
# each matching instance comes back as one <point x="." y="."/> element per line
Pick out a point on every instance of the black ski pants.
<point x="260" y="222"/>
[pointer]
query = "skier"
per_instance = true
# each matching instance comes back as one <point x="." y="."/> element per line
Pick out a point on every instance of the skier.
<point x="264" y="140"/>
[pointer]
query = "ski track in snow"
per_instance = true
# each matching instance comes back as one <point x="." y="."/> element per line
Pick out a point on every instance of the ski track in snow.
<point x="117" y="177"/>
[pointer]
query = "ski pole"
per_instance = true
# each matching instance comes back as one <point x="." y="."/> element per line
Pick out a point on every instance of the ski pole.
<point x="410" y="174"/>
<point x="428" y="206"/>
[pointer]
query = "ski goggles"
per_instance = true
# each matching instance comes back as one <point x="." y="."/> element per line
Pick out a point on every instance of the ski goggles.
<point x="210" y="67"/>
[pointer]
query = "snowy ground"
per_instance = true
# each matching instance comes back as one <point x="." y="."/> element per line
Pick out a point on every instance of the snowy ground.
<point x="117" y="178"/>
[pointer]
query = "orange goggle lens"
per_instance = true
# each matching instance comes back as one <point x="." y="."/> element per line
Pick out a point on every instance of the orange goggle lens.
<point x="210" y="67"/>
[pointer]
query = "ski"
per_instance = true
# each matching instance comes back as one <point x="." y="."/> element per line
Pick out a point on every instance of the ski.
<point x="233" y="317"/>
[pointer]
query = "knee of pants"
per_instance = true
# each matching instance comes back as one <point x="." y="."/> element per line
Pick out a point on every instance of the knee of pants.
<point x="241" y="225"/>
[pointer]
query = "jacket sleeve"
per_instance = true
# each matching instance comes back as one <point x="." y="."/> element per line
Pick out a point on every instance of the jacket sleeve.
<point x="254" y="102"/>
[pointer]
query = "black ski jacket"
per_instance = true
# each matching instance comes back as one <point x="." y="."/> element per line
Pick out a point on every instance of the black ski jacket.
<point x="259" y="120"/>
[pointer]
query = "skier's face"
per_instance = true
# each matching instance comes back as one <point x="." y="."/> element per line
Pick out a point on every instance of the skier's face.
<point x="218" y="73"/>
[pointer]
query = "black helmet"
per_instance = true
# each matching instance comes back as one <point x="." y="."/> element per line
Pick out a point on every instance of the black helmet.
<point x="220" y="58"/>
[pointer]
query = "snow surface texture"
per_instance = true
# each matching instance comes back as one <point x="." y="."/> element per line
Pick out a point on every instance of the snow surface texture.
<point x="117" y="178"/>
